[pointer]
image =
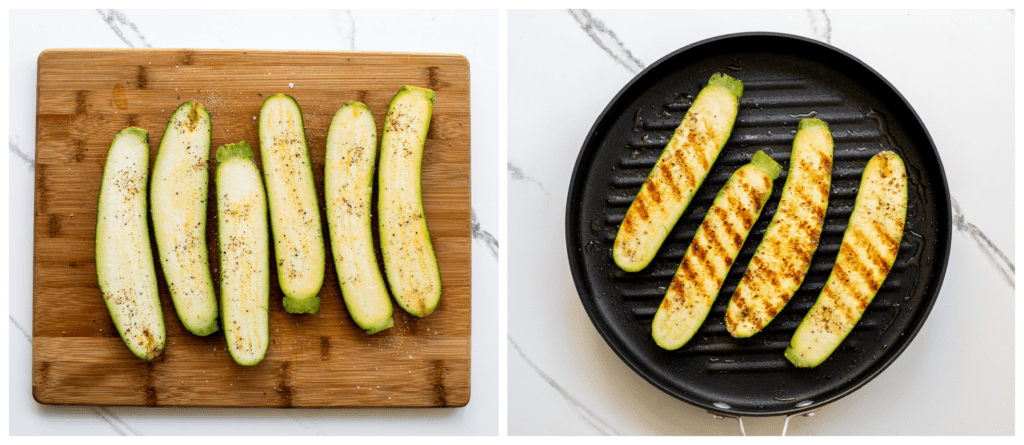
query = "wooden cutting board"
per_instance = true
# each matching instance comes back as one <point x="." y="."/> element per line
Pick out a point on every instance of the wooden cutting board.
<point x="320" y="360"/>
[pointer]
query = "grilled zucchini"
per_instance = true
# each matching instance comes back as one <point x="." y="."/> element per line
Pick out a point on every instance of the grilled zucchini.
<point x="714" y="247"/>
<point x="124" y="259"/>
<point x="178" y="196"/>
<point x="869" y="248"/>
<point x="784" y="255"/>
<point x="348" y="186"/>
<point x="294" y="211"/>
<point x="409" y="261"/>
<point x="678" y="174"/>
<point x="244" y="254"/>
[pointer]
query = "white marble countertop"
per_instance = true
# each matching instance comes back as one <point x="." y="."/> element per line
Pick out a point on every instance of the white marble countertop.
<point x="956" y="68"/>
<point x="470" y="33"/>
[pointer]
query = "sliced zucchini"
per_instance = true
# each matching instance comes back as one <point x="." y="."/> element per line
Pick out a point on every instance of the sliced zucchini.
<point x="409" y="261"/>
<point x="781" y="261"/>
<point x="714" y="247"/>
<point x="348" y="187"/>
<point x="294" y="211"/>
<point x="869" y="248"/>
<point x="124" y="259"/>
<point x="244" y="254"/>
<point x="178" y="196"/>
<point x="678" y="174"/>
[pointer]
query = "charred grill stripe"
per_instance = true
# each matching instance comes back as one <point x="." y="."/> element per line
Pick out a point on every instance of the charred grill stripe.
<point x="857" y="263"/>
<point x="887" y="240"/>
<point x="709" y="132"/>
<point x="748" y="214"/>
<point x="700" y="255"/>
<point x="722" y="215"/>
<point x="841" y="287"/>
<point x="824" y="163"/>
<point x="627" y="227"/>
<point x="874" y="257"/>
<point x="652" y="190"/>
<point x="714" y="241"/>
<point x="641" y="210"/>
<point x="670" y="180"/>
<point x="687" y="273"/>
<point x="689" y="180"/>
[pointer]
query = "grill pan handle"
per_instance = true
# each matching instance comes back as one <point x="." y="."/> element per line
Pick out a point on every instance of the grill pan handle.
<point x="739" y="419"/>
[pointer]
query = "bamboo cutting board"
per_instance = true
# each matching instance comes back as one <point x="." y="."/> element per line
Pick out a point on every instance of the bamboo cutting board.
<point x="320" y="360"/>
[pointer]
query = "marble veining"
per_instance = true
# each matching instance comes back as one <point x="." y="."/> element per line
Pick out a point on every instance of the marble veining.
<point x="310" y="427"/>
<point x="589" y="416"/>
<point x="120" y="426"/>
<point x="821" y="25"/>
<point x="111" y="16"/>
<point x="515" y="172"/>
<point x="483" y="235"/>
<point x="996" y="256"/>
<point x="21" y="155"/>
<point x="345" y="25"/>
<point x="606" y="39"/>
<point x="23" y="331"/>
<point x="115" y="422"/>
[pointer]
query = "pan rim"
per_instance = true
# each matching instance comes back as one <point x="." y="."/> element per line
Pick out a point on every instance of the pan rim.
<point x="573" y="246"/>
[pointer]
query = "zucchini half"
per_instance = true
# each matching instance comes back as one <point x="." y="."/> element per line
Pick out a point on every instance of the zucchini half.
<point x="124" y="259"/>
<point x="714" y="247"/>
<point x="409" y="261"/>
<point x="178" y="195"/>
<point x="678" y="174"/>
<point x="869" y="248"/>
<point x="348" y="188"/>
<point x="244" y="254"/>
<point x="294" y="211"/>
<point x="782" y="259"/>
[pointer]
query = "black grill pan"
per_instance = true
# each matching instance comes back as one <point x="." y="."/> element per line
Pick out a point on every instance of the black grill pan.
<point x="785" y="78"/>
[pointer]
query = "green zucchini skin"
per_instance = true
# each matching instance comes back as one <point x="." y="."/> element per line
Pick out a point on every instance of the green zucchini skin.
<point x="124" y="259"/>
<point x="178" y="200"/>
<point x="244" y="254"/>
<point x="294" y="210"/>
<point x="351" y="156"/>
<point x="679" y="172"/>
<point x="409" y="260"/>
<point x="870" y="245"/>
<point x="781" y="261"/>
<point x="715" y="246"/>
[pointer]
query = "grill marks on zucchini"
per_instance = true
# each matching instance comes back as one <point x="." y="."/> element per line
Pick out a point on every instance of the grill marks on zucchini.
<point x="244" y="254"/>
<point x="124" y="259"/>
<point x="782" y="259"/>
<point x="714" y="248"/>
<point x="409" y="261"/>
<point x="866" y="255"/>
<point x="178" y="205"/>
<point x="294" y="211"/>
<point x="679" y="172"/>
<point x="348" y="187"/>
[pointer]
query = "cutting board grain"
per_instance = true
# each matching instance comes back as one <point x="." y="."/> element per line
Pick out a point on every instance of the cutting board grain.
<point x="320" y="360"/>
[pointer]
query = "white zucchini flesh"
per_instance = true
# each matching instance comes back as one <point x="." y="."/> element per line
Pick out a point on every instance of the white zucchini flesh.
<point x="124" y="258"/>
<point x="409" y="261"/>
<point x="715" y="246"/>
<point x="679" y="172"/>
<point x="781" y="261"/>
<point x="244" y="254"/>
<point x="870" y="244"/>
<point x="351" y="156"/>
<point x="178" y="200"/>
<point x="294" y="211"/>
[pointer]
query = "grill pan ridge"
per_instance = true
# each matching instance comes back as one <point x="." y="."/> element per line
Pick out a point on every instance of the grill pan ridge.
<point x="785" y="79"/>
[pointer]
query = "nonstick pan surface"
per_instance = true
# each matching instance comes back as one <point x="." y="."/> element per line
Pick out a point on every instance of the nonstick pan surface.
<point x="785" y="78"/>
